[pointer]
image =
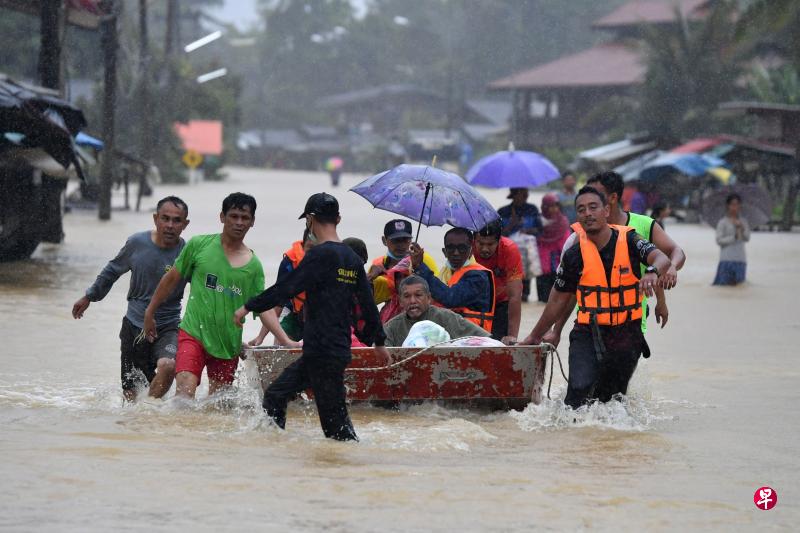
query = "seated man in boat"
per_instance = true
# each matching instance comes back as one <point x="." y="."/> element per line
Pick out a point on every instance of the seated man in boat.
<point x="386" y="271"/>
<point x="415" y="300"/>
<point x="463" y="285"/>
<point x="601" y="270"/>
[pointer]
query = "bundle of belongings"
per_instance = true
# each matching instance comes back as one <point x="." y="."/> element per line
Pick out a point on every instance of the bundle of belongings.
<point x="426" y="333"/>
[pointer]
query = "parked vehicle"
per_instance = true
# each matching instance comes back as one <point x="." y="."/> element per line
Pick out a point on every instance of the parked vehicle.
<point x="37" y="155"/>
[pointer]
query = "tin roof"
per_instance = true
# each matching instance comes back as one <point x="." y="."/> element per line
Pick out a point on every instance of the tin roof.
<point x="604" y="65"/>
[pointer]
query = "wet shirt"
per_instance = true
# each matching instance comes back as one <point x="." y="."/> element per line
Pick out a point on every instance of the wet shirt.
<point x="506" y="264"/>
<point x="217" y="291"/>
<point x="147" y="263"/>
<point x="335" y="282"/>
<point x="569" y="272"/>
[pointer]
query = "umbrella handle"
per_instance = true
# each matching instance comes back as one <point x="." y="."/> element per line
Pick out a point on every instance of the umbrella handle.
<point x="428" y="188"/>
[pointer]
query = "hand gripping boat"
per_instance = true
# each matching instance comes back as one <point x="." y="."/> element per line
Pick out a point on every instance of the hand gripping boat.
<point x="507" y="377"/>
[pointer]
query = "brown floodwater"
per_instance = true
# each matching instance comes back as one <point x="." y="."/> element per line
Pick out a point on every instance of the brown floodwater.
<point x="710" y="417"/>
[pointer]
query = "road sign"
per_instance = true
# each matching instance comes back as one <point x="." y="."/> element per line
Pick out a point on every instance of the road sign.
<point x="192" y="159"/>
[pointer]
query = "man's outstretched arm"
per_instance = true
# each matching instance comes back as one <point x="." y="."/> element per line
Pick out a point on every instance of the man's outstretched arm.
<point x="557" y="305"/>
<point x="165" y="287"/>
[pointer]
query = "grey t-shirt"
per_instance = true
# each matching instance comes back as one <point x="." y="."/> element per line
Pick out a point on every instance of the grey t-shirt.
<point x="456" y="325"/>
<point x="147" y="263"/>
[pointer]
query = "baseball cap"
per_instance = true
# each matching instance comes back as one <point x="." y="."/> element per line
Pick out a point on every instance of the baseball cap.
<point x="321" y="203"/>
<point x="397" y="229"/>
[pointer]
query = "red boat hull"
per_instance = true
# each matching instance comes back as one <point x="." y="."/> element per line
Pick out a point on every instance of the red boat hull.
<point x="501" y="377"/>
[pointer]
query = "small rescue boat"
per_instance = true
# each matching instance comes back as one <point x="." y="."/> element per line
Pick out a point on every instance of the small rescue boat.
<point x="507" y="377"/>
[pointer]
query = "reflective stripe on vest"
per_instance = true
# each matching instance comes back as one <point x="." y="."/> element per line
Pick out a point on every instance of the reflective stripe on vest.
<point x="295" y="254"/>
<point x="614" y="304"/>
<point x="483" y="319"/>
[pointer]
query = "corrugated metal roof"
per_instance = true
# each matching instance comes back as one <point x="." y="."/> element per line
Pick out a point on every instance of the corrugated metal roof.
<point x="605" y="65"/>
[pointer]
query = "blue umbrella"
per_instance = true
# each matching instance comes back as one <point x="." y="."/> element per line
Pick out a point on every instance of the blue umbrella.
<point x="83" y="139"/>
<point x="430" y="195"/>
<point x="688" y="164"/>
<point x="512" y="168"/>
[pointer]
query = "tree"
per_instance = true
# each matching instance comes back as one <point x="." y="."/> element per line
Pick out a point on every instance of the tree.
<point x="690" y="70"/>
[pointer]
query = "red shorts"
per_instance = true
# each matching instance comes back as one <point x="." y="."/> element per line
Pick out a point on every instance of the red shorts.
<point x="193" y="357"/>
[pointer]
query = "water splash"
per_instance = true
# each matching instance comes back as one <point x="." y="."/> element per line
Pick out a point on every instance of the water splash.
<point x="623" y="413"/>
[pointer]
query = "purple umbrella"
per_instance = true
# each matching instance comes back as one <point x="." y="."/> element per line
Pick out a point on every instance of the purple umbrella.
<point x="432" y="196"/>
<point x="511" y="168"/>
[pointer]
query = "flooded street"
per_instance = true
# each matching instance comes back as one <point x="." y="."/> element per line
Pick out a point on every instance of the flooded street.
<point x="709" y="420"/>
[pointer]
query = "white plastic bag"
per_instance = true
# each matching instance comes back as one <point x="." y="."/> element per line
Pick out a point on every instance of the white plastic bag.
<point x="528" y="249"/>
<point x="425" y="333"/>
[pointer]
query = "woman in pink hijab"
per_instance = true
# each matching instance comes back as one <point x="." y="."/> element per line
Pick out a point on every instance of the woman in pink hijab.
<point x="550" y="241"/>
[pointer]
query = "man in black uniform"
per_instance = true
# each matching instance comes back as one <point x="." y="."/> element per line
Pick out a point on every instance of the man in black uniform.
<point x="334" y="280"/>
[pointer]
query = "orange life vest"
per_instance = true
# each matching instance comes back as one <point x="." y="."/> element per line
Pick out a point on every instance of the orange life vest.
<point x="483" y="319"/>
<point x="392" y="307"/>
<point x="614" y="304"/>
<point x="295" y="254"/>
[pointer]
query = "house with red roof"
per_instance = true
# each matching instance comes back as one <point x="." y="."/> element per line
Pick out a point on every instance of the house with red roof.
<point x="552" y="100"/>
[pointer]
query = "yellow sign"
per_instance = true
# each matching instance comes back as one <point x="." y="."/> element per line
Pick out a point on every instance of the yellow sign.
<point x="192" y="159"/>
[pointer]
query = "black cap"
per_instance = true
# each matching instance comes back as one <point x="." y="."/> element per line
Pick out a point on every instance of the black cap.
<point x="397" y="229"/>
<point x="321" y="203"/>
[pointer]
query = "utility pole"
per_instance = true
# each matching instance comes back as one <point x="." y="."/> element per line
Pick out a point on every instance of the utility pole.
<point x="145" y="114"/>
<point x="108" y="29"/>
<point x="51" y="18"/>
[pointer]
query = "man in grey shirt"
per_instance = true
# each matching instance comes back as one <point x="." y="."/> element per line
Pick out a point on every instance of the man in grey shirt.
<point x="415" y="300"/>
<point x="148" y="255"/>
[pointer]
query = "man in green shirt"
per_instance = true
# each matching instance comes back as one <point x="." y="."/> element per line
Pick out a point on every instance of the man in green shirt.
<point x="415" y="300"/>
<point x="224" y="273"/>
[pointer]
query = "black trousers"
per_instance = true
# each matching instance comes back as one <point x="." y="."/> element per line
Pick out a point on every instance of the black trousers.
<point x="544" y="285"/>
<point x="325" y="376"/>
<point x="590" y="379"/>
<point x="500" y="322"/>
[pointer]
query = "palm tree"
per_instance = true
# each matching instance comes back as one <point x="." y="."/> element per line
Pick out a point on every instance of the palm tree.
<point x="690" y="70"/>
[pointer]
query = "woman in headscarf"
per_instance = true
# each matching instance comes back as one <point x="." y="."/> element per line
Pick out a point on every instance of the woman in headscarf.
<point x="550" y="241"/>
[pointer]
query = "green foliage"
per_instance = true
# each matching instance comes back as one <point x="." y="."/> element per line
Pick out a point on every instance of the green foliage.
<point x="690" y="70"/>
<point x="777" y="86"/>
<point x="772" y="24"/>
<point x="315" y="48"/>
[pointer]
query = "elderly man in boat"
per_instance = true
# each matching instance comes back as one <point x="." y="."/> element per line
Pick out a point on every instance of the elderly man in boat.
<point x="415" y="300"/>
